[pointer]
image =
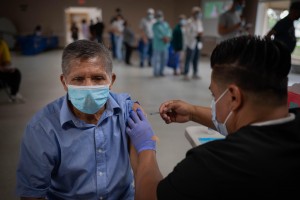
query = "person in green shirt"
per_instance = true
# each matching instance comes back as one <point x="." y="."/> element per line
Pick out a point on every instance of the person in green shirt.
<point x="161" y="40"/>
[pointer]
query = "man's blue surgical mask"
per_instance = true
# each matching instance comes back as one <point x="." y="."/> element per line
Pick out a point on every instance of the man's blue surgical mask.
<point x="221" y="127"/>
<point x="88" y="99"/>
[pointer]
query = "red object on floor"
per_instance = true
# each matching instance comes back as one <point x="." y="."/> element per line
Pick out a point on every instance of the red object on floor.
<point x="293" y="100"/>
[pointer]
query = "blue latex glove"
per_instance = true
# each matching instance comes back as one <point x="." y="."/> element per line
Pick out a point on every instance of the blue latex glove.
<point x="140" y="131"/>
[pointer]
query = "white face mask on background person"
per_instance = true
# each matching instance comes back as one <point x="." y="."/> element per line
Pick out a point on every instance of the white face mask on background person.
<point x="182" y="22"/>
<point x="150" y="16"/>
<point x="221" y="127"/>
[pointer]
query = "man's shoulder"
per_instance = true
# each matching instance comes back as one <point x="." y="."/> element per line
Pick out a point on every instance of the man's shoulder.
<point x="120" y="98"/>
<point x="284" y="22"/>
<point x="122" y="103"/>
<point x="48" y="111"/>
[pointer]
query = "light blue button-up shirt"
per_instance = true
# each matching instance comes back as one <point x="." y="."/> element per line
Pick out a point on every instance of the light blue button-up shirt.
<point x="160" y="30"/>
<point x="62" y="157"/>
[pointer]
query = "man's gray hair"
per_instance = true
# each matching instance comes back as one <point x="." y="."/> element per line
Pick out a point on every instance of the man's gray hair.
<point x="82" y="50"/>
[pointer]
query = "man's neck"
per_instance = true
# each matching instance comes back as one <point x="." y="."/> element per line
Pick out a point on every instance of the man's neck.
<point x="257" y="114"/>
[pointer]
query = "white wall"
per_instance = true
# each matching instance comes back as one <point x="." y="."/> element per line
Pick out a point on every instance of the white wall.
<point x="27" y="14"/>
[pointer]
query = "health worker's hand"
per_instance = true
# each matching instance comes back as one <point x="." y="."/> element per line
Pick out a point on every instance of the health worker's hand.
<point x="140" y="131"/>
<point x="175" y="111"/>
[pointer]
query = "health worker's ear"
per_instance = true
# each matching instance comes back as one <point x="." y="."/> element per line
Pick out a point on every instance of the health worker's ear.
<point x="236" y="97"/>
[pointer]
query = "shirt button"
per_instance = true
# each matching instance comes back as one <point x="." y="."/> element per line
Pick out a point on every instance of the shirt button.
<point x="100" y="198"/>
<point x="100" y="173"/>
<point x="100" y="151"/>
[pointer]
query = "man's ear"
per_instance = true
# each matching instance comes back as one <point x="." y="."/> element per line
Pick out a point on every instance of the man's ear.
<point x="236" y="97"/>
<point x="63" y="81"/>
<point x="113" y="78"/>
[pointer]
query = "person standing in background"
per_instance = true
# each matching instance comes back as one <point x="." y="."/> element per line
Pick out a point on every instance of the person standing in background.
<point x="230" y="23"/>
<point x="38" y="30"/>
<point x="99" y="29"/>
<point x="177" y="41"/>
<point x="193" y="34"/>
<point x="112" y="32"/>
<point x="117" y="28"/>
<point x="161" y="40"/>
<point x="129" y="42"/>
<point x="85" y="29"/>
<point x="92" y="30"/>
<point x="146" y="25"/>
<point x="284" y="29"/>
<point x="74" y="31"/>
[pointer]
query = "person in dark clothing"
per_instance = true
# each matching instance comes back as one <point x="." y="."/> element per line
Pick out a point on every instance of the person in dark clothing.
<point x="9" y="76"/>
<point x="37" y="30"/>
<point x="259" y="156"/>
<point x="99" y="28"/>
<point x="92" y="30"/>
<point x="74" y="31"/>
<point x="177" y="41"/>
<point x="129" y="42"/>
<point x="284" y="29"/>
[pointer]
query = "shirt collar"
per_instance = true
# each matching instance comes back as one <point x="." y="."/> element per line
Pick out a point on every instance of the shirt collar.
<point x="66" y="115"/>
<point x="289" y="118"/>
<point x="112" y="107"/>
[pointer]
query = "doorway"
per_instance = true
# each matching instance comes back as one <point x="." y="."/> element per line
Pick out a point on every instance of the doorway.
<point x="76" y="15"/>
<point x="268" y="13"/>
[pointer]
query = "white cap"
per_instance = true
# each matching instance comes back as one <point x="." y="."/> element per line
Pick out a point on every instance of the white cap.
<point x="150" y="11"/>
<point x="196" y="9"/>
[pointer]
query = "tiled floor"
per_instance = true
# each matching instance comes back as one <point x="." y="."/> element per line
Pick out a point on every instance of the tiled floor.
<point x="41" y="85"/>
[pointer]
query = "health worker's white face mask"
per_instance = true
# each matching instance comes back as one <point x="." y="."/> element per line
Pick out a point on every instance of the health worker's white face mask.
<point x="221" y="127"/>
